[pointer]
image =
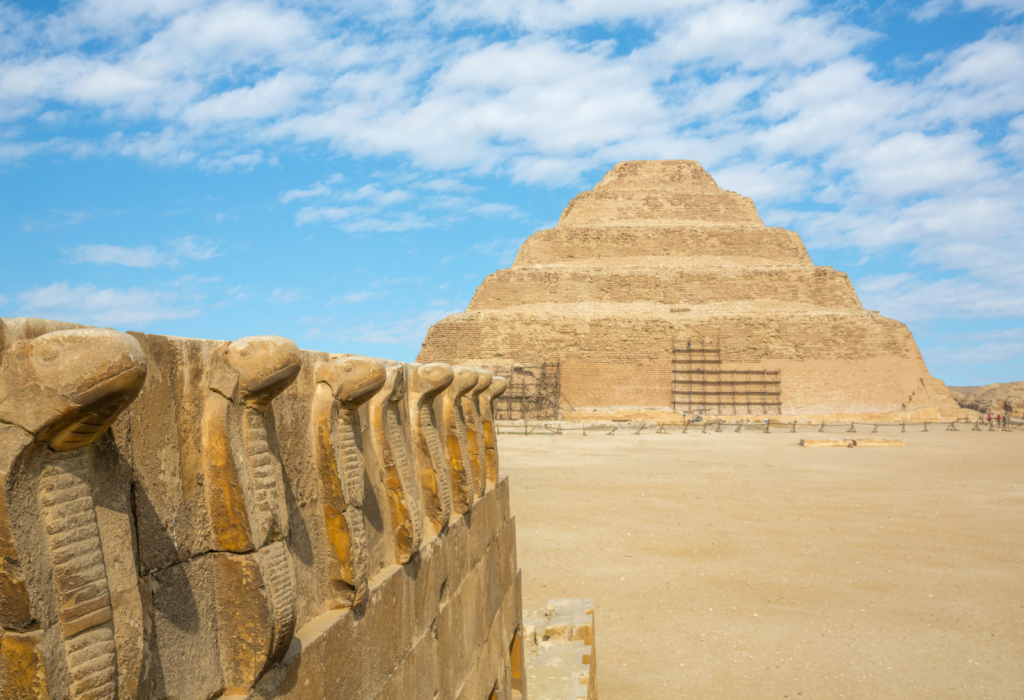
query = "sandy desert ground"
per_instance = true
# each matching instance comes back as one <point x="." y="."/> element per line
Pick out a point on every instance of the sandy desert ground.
<point x="745" y="566"/>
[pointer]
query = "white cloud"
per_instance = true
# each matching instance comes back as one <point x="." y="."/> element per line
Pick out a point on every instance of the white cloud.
<point x="186" y="248"/>
<point x="907" y="297"/>
<point x="312" y="215"/>
<point x="497" y="209"/>
<point x="375" y="195"/>
<point x="225" y="163"/>
<point x="286" y="296"/>
<point x="91" y="305"/>
<point x="778" y="98"/>
<point x="267" y="98"/>
<point x="355" y="297"/>
<point x="933" y="8"/>
<point x="104" y="254"/>
<point x="3" y="300"/>
<point x="318" y="189"/>
<point x="447" y="184"/>
<point x="406" y="331"/>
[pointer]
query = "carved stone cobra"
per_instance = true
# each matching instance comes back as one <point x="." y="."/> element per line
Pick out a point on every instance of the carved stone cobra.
<point x="425" y="383"/>
<point x="456" y="442"/>
<point x="343" y="385"/>
<point x="59" y="393"/>
<point x="394" y="463"/>
<point x="246" y="507"/>
<point x="496" y="389"/>
<point x="475" y="430"/>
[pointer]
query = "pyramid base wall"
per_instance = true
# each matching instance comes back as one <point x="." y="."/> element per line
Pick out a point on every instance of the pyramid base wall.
<point x="871" y="385"/>
<point x="852" y="363"/>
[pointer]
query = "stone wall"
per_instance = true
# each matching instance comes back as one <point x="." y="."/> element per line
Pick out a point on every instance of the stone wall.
<point x="657" y="256"/>
<point x="193" y="519"/>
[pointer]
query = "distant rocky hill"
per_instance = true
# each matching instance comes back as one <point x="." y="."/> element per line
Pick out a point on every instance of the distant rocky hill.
<point x="994" y="398"/>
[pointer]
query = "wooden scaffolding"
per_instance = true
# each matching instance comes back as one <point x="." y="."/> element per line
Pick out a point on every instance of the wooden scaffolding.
<point x="533" y="391"/>
<point x="700" y="385"/>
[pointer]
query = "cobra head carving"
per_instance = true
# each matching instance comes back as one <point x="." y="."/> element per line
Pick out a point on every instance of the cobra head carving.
<point x="63" y="389"/>
<point x="425" y="383"/>
<point x="347" y="382"/>
<point x="496" y="389"/>
<point x="456" y="442"/>
<point x="266" y="365"/>
<point x="475" y="430"/>
<point x="245" y="502"/>
<point x="429" y="379"/>
<point x="394" y="464"/>
<point x="353" y="379"/>
<point x="68" y="387"/>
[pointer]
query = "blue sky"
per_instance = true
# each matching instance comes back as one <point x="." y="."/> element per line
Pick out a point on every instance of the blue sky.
<point x="345" y="174"/>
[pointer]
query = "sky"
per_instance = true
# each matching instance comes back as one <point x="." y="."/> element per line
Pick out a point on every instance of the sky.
<point x="345" y="174"/>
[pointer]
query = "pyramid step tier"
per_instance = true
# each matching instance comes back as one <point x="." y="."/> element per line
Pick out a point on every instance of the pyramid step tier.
<point x="675" y="246"/>
<point x="756" y="287"/>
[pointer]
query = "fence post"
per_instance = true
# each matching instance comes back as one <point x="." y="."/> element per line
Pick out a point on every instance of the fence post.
<point x="926" y="426"/>
<point x="822" y="428"/>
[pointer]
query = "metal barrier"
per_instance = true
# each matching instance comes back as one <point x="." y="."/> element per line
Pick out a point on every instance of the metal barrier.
<point x="637" y="427"/>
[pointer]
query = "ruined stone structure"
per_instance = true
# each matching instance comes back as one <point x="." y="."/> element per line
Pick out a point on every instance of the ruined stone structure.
<point x="659" y="290"/>
<point x="196" y="519"/>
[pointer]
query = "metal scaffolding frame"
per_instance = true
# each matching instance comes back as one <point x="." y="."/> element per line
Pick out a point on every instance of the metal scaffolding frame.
<point x="533" y="391"/>
<point x="700" y="385"/>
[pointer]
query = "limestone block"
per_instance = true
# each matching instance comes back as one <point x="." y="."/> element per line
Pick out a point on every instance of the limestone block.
<point x="561" y="656"/>
<point x="877" y="442"/>
<point x="827" y="443"/>
<point x="195" y="519"/>
<point x="426" y="382"/>
<point x="429" y="630"/>
<point x="66" y="576"/>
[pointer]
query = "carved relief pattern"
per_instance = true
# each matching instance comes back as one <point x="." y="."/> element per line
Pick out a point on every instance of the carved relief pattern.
<point x="79" y="576"/>
<point x="437" y="461"/>
<point x="247" y="375"/>
<point x="474" y="442"/>
<point x="352" y="470"/>
<point x="497" y="388"/>
<point x="275" y="565"/>
<point x="400" y="455"/>
<point x="77" y="619"/>
<point x="59" y="393"/>
<point x="459" y="426"/>
<point x="261" y="463"/>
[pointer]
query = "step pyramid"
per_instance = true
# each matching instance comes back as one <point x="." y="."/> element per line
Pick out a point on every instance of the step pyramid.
<point x="660" y="290"/>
